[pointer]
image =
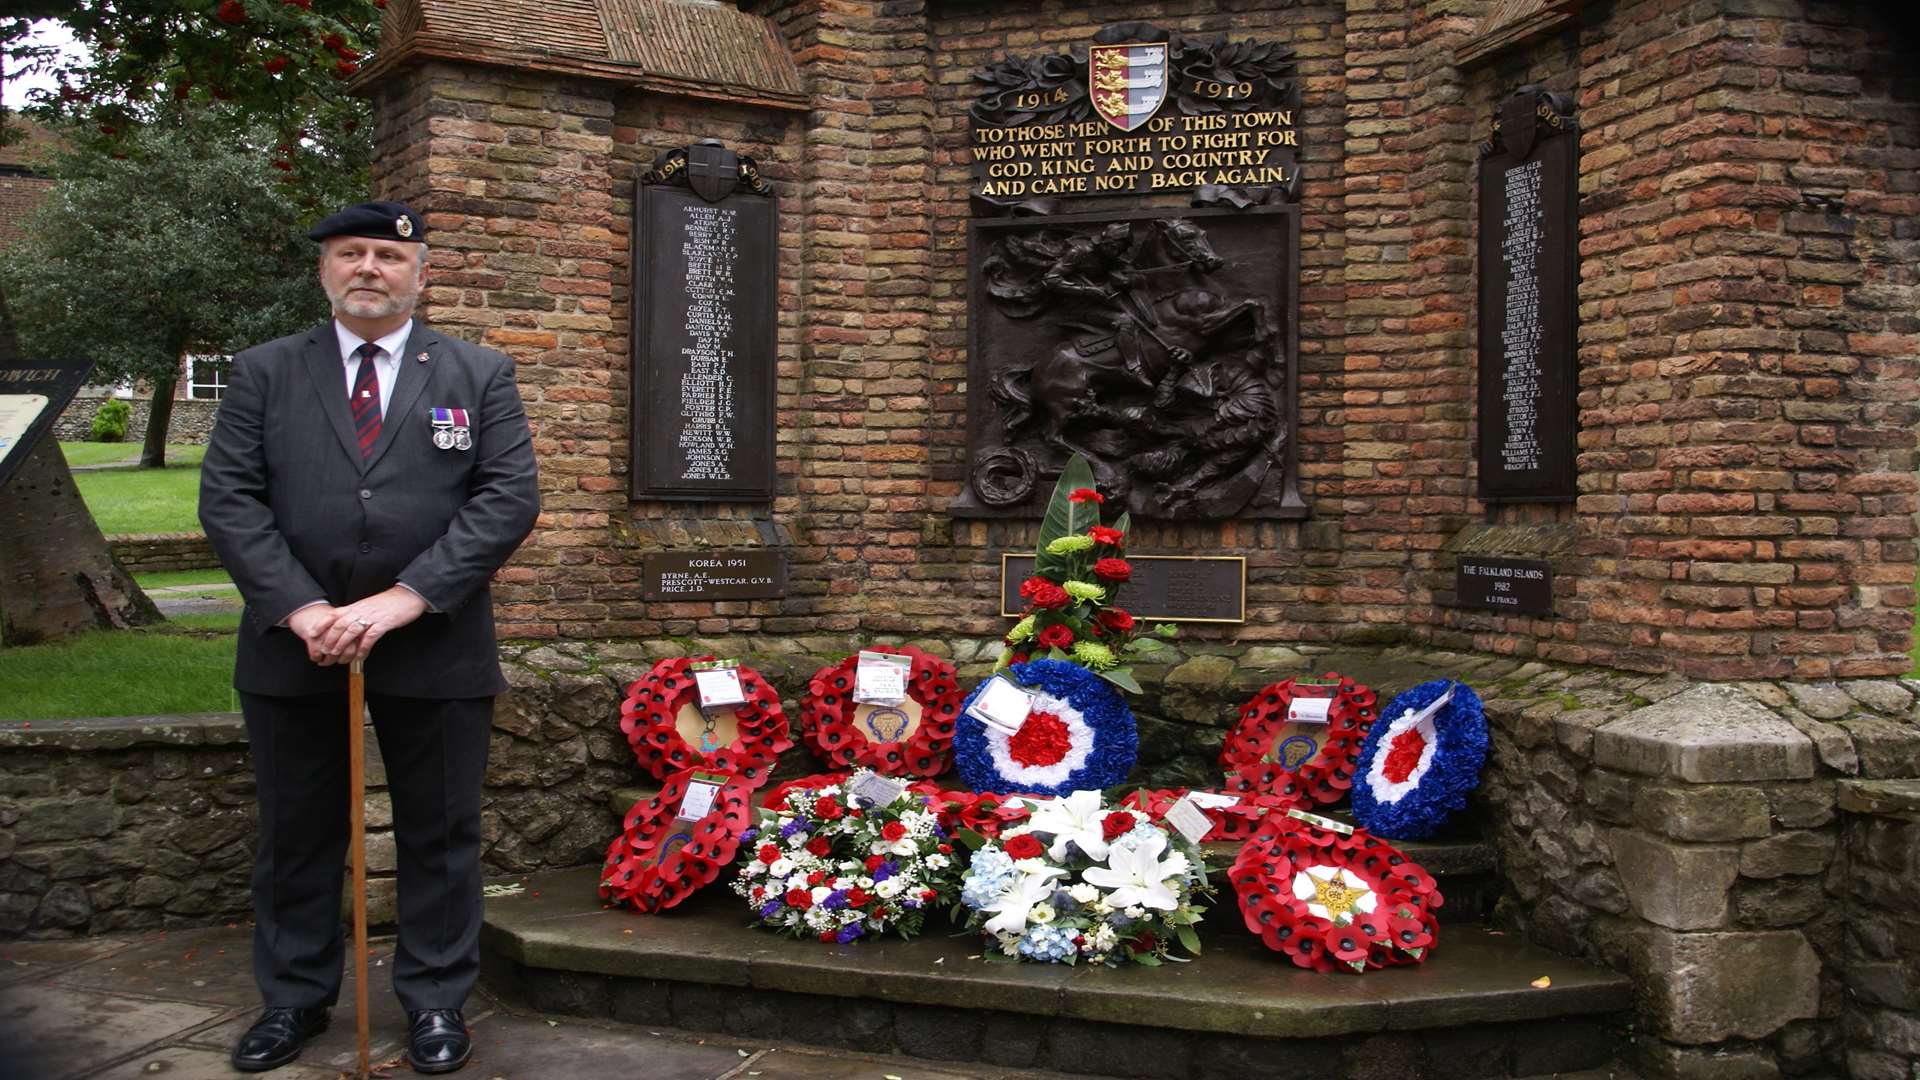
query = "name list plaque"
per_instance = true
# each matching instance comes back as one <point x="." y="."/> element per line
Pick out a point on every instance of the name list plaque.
<point x="705" y="260"/>
<point x="1164" y="588"/>
<point x="715" y="575"/>
<point x="1515" y="586"/>
<point x="1528" y="371"/>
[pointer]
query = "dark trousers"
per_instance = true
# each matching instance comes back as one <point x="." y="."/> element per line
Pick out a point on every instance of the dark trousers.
<point x="435" y="753"/>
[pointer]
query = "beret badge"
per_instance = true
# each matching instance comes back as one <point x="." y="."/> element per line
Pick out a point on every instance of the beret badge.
<point x="403" y="225"/>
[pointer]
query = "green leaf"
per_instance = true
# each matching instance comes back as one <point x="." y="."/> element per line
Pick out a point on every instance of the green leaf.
<point x="973" y="840"/>
<point x="1146" y="959"/>
<point x="1166" y="630"/>
<point x="1122" y="678"/>
<point x="1056" y="654"/>
<point x="1123" y="523"/>
<point x="1064" y="518"/>
<point x="1146" y="644"/>
<point x="1188" y="939"/>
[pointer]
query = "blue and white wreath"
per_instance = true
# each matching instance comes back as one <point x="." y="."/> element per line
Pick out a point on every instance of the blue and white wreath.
<point x="1420" y="760"/>
<point x="1078" y="735"/>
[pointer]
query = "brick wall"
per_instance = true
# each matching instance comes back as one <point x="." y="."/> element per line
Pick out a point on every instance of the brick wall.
<point x="146" y="553"/>
<point x="1746" y="341"/>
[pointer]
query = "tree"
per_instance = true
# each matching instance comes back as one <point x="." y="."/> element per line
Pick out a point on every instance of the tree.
<point x="180" y="243"/>
<point x="57" y="575"/>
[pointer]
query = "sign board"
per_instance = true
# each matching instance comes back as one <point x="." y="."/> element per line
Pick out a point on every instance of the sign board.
<point x="1164" y="588"/>
<point x="32" y="395"/>
<point x="715" y="575"/>
<point x="1529" y="240"/>
<point x="1516" y="586"/>
<point x="705" y="265"/>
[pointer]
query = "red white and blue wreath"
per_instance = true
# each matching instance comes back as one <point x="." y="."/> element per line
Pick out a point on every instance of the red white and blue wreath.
<point x="1333" y="898"/>
<point x="1304" y="763"/>
<point x="1078" y="735"/>
<point x="833" y="727"/>
<point x="650" y="717"/>
<point x="1420" y="760"/>
<point x="671" y="845"/>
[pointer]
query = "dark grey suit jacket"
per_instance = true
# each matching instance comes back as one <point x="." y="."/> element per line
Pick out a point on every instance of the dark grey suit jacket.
<point x="296" y="515"/>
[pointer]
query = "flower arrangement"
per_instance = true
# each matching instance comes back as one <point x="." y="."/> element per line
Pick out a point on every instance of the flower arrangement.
<point x="1333" y="898"/>
<point x="831" y="865"/>
<point x="1078" y="572"/>
<point x="1301" y="763"/>
<point x="1077" y="734"/>
<point x="1081" y="881"/>
<point x="828" y="718"/>
<point x="1420" y="760"/>
<point x="650" y="714"/>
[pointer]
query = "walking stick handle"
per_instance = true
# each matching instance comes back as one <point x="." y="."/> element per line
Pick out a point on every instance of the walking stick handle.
<point x="357" y="832"/>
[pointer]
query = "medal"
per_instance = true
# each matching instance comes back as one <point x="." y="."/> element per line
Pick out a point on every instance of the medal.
<point x="443" y="437"/>
<point x="462" y="437"/>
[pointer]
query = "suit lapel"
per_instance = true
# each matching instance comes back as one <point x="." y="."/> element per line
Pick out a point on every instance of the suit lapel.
<point x="411" y="375"/>
<point x="329" y="378"/>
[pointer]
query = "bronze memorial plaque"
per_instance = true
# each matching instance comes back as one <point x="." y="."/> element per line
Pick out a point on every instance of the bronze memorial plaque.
<point x="1515" y="586"/>
<point x="1529" y="239"/>
<point x="1167" y="588"/>
<point x="705" y="256"/>
<point x="715" y="575"/>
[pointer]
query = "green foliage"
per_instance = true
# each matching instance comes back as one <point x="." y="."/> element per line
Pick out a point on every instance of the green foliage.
<point x="184" y="243"/>
<point x="119" y="673"/>
<point x="110" y="422"/>
<point x="134" y="500"/>
<point x="1065" y="517"/>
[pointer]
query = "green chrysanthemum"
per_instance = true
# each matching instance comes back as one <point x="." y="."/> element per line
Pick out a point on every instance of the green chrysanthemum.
<point x="1094" y="656"/>
<point x="1021" y="631"/>
<point x="1084" y="590"/>
<point x="1067" y="545"/>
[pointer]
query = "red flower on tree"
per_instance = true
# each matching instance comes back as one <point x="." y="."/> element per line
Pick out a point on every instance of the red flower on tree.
<point x="1050" y="596"/>
<point x="1116" y="619"/>
<point x="276" y="65"/>
<point x="231" y="12"/>
<point x="345" y="69"/>
<point x="1024" y="846"/>
<point x="1057" y="636"/>
<point x="1103" y="535"/>
<point x="1086" y="495"/>
<point x="1112" y="570"/>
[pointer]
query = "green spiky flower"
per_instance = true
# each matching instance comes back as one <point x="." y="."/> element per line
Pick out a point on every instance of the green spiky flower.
<point x="1094" y="656"/>
<point x="1084" y="590"/>
<point x="1021" y="631"/>
<point x="1067" y="545"/>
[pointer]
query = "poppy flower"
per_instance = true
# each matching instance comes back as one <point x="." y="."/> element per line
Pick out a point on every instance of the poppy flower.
<point x="1086" y="495"/>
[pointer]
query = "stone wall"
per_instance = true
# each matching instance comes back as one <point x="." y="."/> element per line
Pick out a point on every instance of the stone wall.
<point x="1880" y="835"/>
<point x="148" y="552"/>
<point x="191" y="424"/>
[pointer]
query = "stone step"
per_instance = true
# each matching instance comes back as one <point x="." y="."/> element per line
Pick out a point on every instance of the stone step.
<point x="1238" y="1011"/>
<point x="1462" y="861"/>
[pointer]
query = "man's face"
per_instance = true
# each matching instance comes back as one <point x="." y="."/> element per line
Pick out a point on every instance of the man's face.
<point x="369" y="278"/>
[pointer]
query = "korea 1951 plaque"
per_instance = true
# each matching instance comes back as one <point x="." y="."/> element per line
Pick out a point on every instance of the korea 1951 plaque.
<point x="715" y="575"/>
<point x="704" y="278"/>
<point x="1528" y="372"/>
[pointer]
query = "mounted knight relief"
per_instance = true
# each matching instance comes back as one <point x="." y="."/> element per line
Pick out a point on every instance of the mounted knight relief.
<point x="1160" y="343"/>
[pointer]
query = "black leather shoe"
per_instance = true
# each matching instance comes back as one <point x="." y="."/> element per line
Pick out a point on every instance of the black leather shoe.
<point x="276" y="1038"/>
<point x="437" y="1041"/>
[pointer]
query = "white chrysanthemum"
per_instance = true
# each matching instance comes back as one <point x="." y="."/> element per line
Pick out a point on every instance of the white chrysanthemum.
<point x="904" y="846"/>
<point x="1084" y="893"/>
<point x="937" y="862"/>
<point x="781" y="867"/>
<point x="1042" y="913"/>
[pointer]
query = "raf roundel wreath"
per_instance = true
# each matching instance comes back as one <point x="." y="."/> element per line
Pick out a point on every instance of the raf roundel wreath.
<point x="1301" y="763"/>
<point x="832" y="723"/>
<point x="650" y="717"/>
<point x="1078" y="735"/>
<point x="658" y="860"/>
<point x="1420" y="760"/>
<point x="1333" y="898"/>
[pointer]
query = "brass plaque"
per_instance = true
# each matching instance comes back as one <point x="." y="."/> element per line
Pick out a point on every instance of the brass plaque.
<point x="1167" y="588"/>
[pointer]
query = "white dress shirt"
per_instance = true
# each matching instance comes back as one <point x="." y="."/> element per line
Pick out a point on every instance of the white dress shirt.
<point x="386" y="364"/>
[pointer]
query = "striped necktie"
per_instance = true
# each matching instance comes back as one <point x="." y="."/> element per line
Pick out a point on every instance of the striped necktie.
<point x="365" y="399"/>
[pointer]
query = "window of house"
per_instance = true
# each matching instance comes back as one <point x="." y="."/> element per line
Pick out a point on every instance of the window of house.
<point x="207" y="377"/>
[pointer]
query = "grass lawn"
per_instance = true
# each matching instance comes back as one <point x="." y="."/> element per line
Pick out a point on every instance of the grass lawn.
<point x="164" y="579"/>
<point x="177" y="667"/>
<point x="101" y="453"/>
<point x="134" y="500"/>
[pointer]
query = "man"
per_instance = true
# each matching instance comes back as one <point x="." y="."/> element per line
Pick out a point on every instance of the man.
<point x="364" y="481"/>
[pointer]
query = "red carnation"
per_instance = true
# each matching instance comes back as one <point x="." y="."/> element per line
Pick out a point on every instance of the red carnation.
<point x="893" y="830"/>
<point x="1057" y="636"/>
<point x="1018" y="658"/>
<point x="1023" y="846"/>
<point x="1112" y="569"/>
<point x="1086" y="495"/>
<point x="231" y="12"/>
<point x="858" y="897"/>
<point x="1050" y="596"/>
<point x="1117" y="619"/>
<point x="819" y="846"/>
<point x="1103" y="535"/>
<point x="799" y="898"/>
<point x="276" y="65"/>
<point x="826" y="809"/>
<point x="1116" y="825"/>
<point x="874" y="862"/>
<point x="768" y="854"/>
<point x="1028" y="586"/>
<point x="816" y="877"/>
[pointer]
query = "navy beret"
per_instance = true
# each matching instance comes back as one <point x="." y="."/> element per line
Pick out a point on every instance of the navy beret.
<point x="379" y="220"/>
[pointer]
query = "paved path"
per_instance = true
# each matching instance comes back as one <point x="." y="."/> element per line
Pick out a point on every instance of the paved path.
<point x="171" y="1005"/>
<point x="196" y="599"/>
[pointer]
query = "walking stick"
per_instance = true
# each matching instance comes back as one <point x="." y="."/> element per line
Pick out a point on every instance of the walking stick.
<point x="357" y="832"/>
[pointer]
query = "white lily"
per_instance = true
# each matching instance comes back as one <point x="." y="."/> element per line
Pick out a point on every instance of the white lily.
<point x="1019" y="899"/>
<point x="1136" y="876"/>
<point x="1074" y="819"/>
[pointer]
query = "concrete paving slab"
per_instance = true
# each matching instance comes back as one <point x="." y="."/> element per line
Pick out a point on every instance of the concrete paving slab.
<point x="38" y="959"/>
<point x="528" y="1047"/>
<point x="190" y="1063"/>
<point x="48" y="1032"/>
<point x="213" y="965"/>
<point x="799" y="1065"/>
<point x="338" y="1045"/>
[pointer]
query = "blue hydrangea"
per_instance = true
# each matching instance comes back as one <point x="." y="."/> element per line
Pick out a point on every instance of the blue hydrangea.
<point x="1047" y="944"/>
<point x="987" y="877"/>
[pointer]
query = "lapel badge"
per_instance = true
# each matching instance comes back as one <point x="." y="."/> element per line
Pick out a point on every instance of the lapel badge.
<point x="422" y="357"/>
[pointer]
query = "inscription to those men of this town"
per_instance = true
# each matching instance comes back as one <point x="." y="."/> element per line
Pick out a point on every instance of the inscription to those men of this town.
<point x="703" y="381"/>
<point x="1528" y="370"/>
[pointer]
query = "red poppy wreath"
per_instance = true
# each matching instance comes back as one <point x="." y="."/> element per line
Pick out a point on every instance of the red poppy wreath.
<point x="1333" y="898"/>
<point x="913" y="738"/>
<point x="671" y="845"/>
<point x="1232" y="821"/>
<point x="1299" y="740"/>
<point x="669" y="733"/>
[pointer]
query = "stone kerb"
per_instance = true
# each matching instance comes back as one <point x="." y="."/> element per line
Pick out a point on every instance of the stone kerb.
<point x="1874" y="880"/>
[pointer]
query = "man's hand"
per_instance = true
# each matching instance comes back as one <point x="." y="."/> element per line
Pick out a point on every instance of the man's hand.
<point x="310" y="624"/>
<point x="359" y="626"/>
